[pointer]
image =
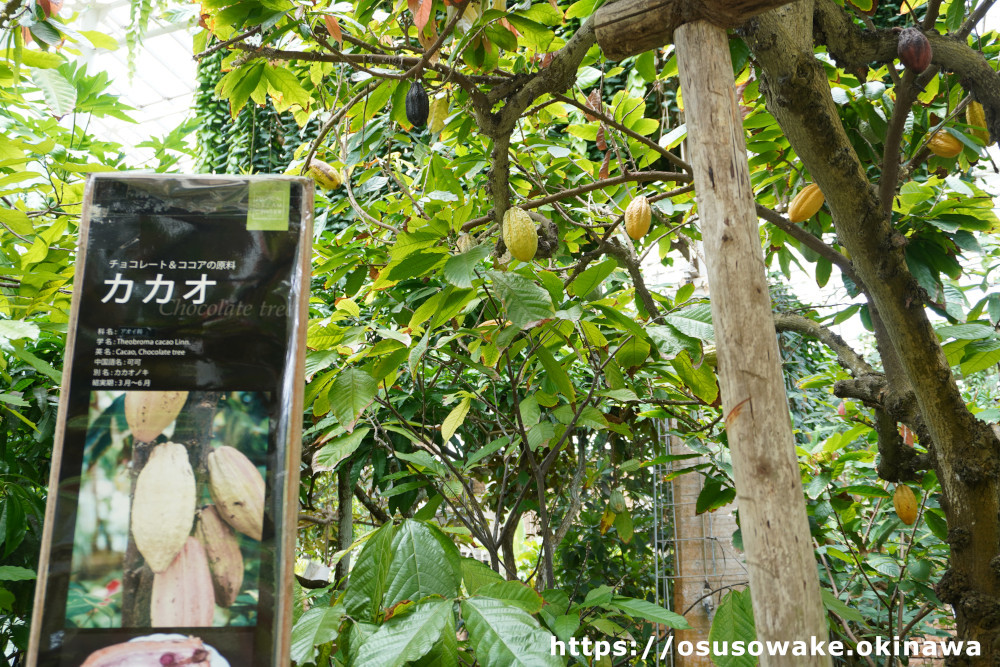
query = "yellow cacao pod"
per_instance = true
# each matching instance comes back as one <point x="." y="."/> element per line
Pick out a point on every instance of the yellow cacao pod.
<point x="975" y="116"/>
<point x="182" y="594"/>
<point x="438" y="113"/>
<point x="806" y="204"/>
<point x="905" y="503"/>
<point x="163" y="505"/>
<point x="638" y="216"/>
<point x="148" y="413"/>
<point x="179" y="651"/>
<point x="325" y="175"/>
<point x="223" y="551"/>
<point x="943" y="144"/>
<point x="519" y="234"/>
<point x="237" y="489"/>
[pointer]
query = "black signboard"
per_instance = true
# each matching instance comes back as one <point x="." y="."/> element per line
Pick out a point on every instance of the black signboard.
<point x="170" y="525"/>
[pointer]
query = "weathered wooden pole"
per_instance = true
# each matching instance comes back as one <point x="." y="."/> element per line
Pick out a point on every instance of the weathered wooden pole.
<point x="786" y="593"/>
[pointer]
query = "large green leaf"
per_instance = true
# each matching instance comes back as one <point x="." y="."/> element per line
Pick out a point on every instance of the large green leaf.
<point x="734" y="622"/>
<point x="460" y="270"/>
<point x="513" y="592"/>
<point x="504" y="635"/>
<point x="424" y="562"/>
<point x="350" y="394"/>
<point x="59" y="92"/>
<point x="526" y="303"/>
<point x="476" y="575"/>
<point x="369" y="577"/>
<point x="647" y="611"/>
<point x="406" y="637"/>
<point x="338" y="449"/>
<point x="316" y="626"/>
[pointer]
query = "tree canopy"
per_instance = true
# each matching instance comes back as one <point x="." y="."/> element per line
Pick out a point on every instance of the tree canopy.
<point x="453" y="390"/>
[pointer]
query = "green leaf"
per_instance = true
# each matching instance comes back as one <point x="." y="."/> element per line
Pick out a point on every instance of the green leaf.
<point x="59" y="92"/>
<point x="526" y="303"/>
<point x="513" y="592"/>
<point x="503" y="635"/>
<point x="286" y="84"/>
<point x="713" y="496"/>
<point x="338" y="449"/>
<point x="455" y="419"/>
<point x="17" y="329"/>
<point x="15" y="573"/>
<point x="369" y="577"/>
<point x="459" y="270"/>
<point x="734" y="622"/>
<point x="351" y="393"/>
<point x="647" y="611"/>
<point x="475" y="575"/>
<point x="556" y="373"/>
<point x="100" y="40"/>
<point x="695" y="321"/>
<point x="41" y="59"/>
<point x="701" y="381"/>
<point x="316" y="626"/>
<point x="424" y="562"/>
<point x="966" y="332"/>
<point x="591" y="278"/>
<point x="623" y="524"/>
<point x="404" y="638"/>
<point x="832" y="603"/>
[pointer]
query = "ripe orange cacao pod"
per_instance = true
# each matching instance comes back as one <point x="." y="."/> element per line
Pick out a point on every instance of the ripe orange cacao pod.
<point x="223" y="552"/>
<point x="188" y="651"/>
<point x="520" y="234"/>
<point x="163" y="505"/>
<point x="182" y="594"/>
<point x="148" y="413"/>
<point x="806" y="204"/>
<point x="913" y="49"/>
<point x="905" y="503"/>
<point x="638" y="216"/>
<point x="237" y="489"/>
<point x="975" y="116"/>
<point x="943" y="144"/>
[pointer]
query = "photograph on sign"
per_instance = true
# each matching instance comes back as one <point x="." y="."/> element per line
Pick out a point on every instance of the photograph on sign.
<point x="167" y="539"/>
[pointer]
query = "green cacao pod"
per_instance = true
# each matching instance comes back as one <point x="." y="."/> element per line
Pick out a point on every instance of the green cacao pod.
<point x="617" y="502"/>
<point x="237" y="489"/>
<point x="806" y="204"/>
<point x="638" y="216"/>
<point x="163" y="505"/>
<point x="325" y="175"/>
<point x="519" y="234"/>
<point x="417" y="104"/>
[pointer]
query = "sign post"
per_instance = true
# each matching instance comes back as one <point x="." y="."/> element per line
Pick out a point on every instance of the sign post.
<point x="170" y="525"/>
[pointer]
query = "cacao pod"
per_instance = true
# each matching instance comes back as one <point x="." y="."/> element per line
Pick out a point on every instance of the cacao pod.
<point x="520" y="234"/>
<point x="163" y="505"/>
<point x="913" y="49"/>
<point x="325" y="175"/>
<point x="187" y="651"/>
<point x="182" y="594"/>
<point x="438" y="113"/>
<point x="617" y="502"/>
<point x="905" y="503"/>
<point x="638" y="216"/>
<point x="237" y="489"/>
<point x="975" y="116"/>
<point x="943" y="144"/>
<point x="223" y="551"/>
<point x="148" y="413"/>
<point x="806" y="204"/>
<point x="417" y="105"/>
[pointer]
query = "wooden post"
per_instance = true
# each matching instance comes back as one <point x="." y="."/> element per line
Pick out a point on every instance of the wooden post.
<point x="783" y="578"/>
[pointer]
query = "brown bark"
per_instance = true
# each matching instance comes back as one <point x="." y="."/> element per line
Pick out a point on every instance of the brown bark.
<point x="798" y="95"/>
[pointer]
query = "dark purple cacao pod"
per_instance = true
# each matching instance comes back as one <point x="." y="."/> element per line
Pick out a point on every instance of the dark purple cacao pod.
<point x="913" y="49"/>
<point x="417" y="104"/>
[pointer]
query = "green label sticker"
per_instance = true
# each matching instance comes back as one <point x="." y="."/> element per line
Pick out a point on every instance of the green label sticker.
<point x="269" y="201"/>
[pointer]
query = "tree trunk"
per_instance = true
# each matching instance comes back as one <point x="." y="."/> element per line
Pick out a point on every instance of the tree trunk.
<point x="787" y="602"/>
